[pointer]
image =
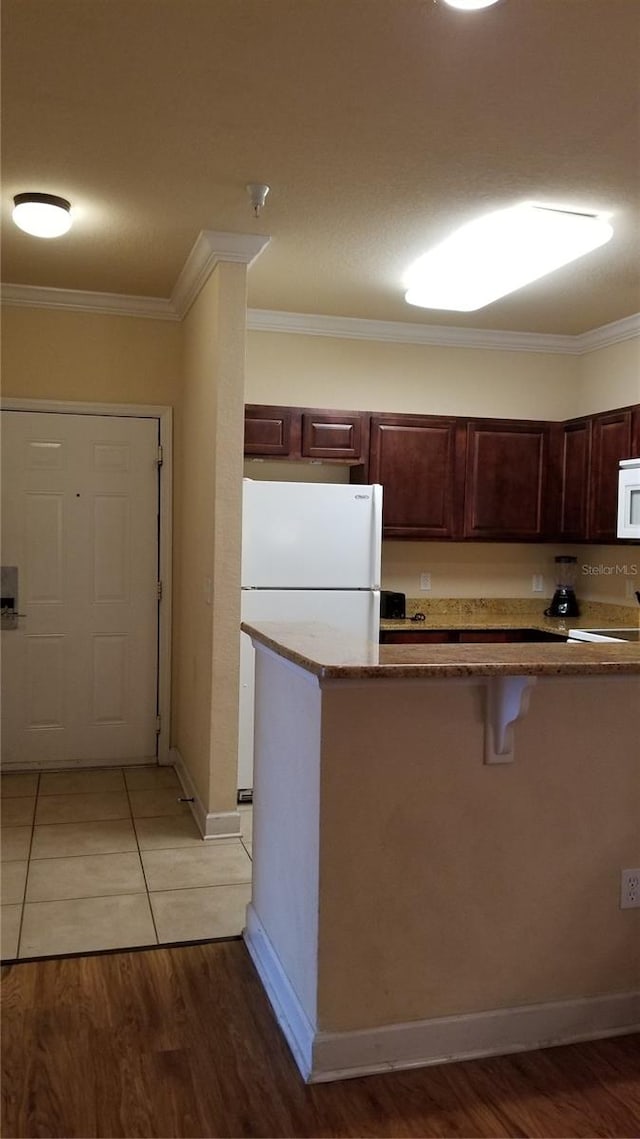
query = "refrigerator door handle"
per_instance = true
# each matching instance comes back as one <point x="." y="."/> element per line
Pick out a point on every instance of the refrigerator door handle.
<point x="376" y="531"/>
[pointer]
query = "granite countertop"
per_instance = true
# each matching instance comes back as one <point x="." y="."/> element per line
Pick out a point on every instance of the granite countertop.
<point x="331" y="654"/>
<point x="507" y="613"/>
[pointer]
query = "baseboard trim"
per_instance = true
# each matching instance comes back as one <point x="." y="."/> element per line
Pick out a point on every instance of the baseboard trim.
<point x="498" y="1032"/>
<point x="211" y="824"/>
<point x="289" y="1013"/>
<point x="68" y="765"/>
<point x="326" y="1056"/>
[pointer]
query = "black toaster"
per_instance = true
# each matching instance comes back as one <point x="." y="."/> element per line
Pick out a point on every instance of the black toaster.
<point x="392" y="605"/>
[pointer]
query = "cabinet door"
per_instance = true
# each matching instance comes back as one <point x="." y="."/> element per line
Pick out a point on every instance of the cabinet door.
<point x="271" y="430"/>
<point x="611" y="443"/>
<point x="573" y="479"/>
<point x="334" y="435"/>
<point x="414" y="457"/>
<point x="505" y="479"/>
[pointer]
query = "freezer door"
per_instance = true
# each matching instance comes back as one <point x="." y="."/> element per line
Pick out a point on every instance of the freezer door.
<point x="356" y="613"/>
<point x="311" y="536"/>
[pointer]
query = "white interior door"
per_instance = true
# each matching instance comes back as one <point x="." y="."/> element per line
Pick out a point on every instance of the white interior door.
<point x="80" y="523"/>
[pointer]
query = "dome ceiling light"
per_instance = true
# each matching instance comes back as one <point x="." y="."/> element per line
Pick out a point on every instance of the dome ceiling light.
<point x="42" y="215"/>
<point x="500" y="252"/>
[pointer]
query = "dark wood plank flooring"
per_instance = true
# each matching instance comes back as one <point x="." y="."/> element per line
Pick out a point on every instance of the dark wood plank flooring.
<point x="182" y="1042"/>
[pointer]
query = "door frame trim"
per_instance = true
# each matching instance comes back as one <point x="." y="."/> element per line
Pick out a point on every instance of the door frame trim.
<point x="164" y="415"/>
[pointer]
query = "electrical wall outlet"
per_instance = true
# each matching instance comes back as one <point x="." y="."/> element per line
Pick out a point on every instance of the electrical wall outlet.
<point x="630" y="889"/>
<point x="537" y="583"/>
<point x="425" y="581"/>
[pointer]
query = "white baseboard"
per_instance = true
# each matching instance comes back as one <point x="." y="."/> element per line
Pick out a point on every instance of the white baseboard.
<point x="76" y="764"/>
<point x="220" y="824"/>
<point x="325" y="1056"/>
<point x="497" y="1032"/>
<point x="290" y="1014"/>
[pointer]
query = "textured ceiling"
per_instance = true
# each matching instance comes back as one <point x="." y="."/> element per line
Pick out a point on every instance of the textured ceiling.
<point x="379" y="124"/>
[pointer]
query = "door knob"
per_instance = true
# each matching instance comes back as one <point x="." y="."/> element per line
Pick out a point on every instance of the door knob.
<point x="9" y="618"/>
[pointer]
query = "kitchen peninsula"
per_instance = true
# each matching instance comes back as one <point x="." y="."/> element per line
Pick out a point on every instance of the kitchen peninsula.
<point x="439" y="834"/>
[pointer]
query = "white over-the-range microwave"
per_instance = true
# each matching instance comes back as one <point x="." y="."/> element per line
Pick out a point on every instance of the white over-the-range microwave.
<point x="629" y="499"/>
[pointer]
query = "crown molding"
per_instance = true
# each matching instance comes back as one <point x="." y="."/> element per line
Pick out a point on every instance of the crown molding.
<point x="75" y="300"/>
<point x="209" y="249"/>
<point x="403" y="332"/>
<point x="614" y="333"/>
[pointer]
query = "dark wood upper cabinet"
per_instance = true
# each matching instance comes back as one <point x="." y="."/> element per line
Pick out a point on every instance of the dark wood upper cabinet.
<point x="451" y="478"/>
<point x="506" y="469"/>
<point x="306" y="433"/>
<point x="635" y="433"/>
<point x="569" y="488"/>
<point x="417" y="460"/>
<point x="335" y="435"/>
<point x="611" y="443"/>
<point x="271" y="430"/>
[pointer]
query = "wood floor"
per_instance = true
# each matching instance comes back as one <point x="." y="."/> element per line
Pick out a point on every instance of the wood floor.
<point x="181" y="1042"/>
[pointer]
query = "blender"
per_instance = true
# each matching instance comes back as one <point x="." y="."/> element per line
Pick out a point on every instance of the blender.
<point x="564" y="603"/>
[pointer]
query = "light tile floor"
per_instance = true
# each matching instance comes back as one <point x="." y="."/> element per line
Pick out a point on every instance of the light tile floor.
<point x="110" y="859"/>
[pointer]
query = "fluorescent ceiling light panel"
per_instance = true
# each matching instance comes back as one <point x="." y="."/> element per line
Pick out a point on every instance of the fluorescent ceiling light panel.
<point x="499" y="253"/>
<point x="470" y="5"/>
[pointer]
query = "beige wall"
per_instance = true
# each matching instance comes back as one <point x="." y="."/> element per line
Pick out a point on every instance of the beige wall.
<point x="449" y="886"/>
<point x="208" y="508"/>
<point x="322" y="371"/>
<point x="52" y="354"/>
<point x="609" y="378"/>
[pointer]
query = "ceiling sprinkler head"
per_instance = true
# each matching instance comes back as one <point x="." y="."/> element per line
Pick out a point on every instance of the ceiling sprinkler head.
<point x="257" y="192"/>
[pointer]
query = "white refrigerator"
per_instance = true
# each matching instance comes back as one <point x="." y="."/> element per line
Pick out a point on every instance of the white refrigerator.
<point x="310" y="552"/>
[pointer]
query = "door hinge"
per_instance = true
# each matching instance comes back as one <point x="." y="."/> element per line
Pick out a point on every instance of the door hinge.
<point x="160" y="458"/>
<point x="159" y="590"/>
<point x="158" y="725"/>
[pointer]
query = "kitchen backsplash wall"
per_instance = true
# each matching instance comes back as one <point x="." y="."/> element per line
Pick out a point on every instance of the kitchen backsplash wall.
<point x="487" y="569"/>
<point x="609" y="573"/>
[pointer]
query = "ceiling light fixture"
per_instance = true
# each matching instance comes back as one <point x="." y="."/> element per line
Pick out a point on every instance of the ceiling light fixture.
<point x="42" y="215"/>
<point x="257" y="192"/>
<point x="499" y="253"/>
<point x="470" y="5"/>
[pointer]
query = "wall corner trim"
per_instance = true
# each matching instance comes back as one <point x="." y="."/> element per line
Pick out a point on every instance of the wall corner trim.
<point x="211" y="824"/>
<point x="284" y="1000"/>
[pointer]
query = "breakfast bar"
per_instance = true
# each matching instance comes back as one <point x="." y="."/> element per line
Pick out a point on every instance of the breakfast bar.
<point x="439" y="836"/>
